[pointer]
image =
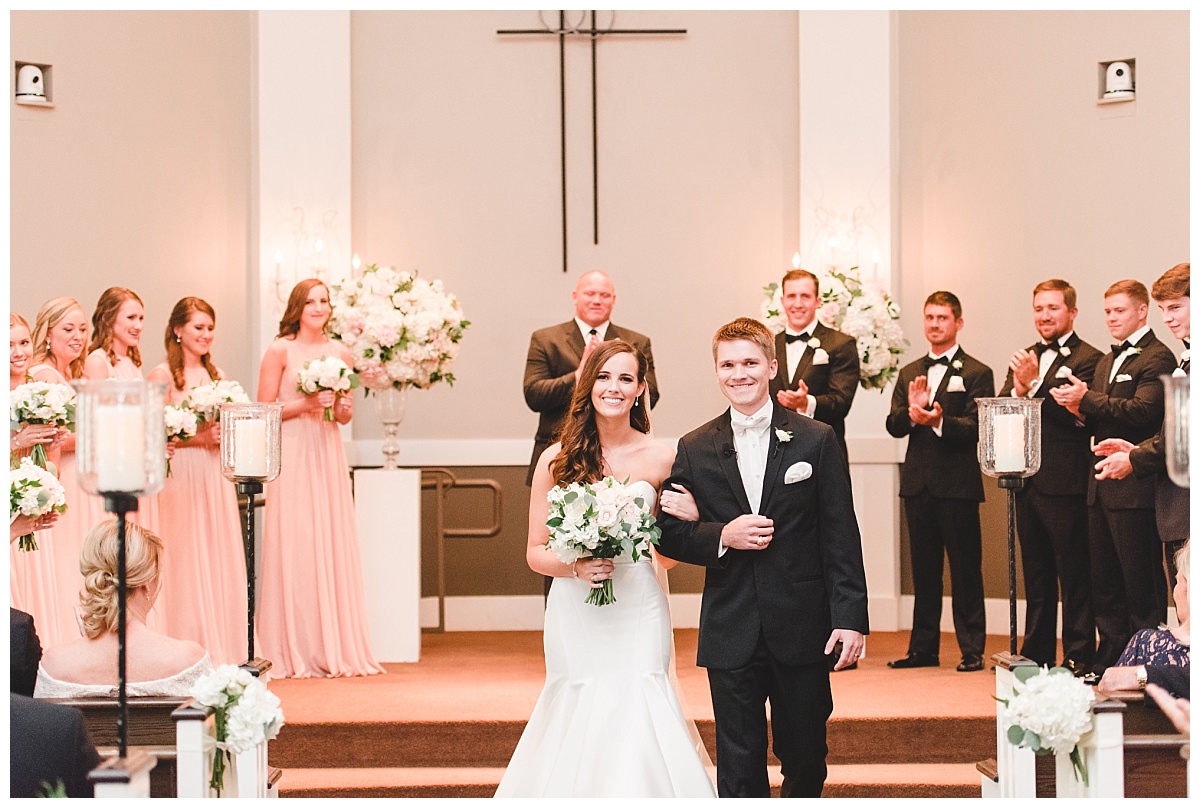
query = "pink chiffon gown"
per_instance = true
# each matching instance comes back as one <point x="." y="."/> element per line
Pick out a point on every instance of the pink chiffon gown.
<point x="203" y="592"/>
<point x="311" y="616"/>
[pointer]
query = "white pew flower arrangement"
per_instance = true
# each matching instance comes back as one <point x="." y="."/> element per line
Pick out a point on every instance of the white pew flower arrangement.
<point x="244" y="711"/>
<point x="1050" y="713"/>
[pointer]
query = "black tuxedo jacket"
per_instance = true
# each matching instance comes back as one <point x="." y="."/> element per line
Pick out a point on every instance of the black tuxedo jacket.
<point x="1129" y="408"/>
<point x="48" y="742"/>
<point x="808" y="581"/>
<point x="24" y="652"/>
<point x="550" y="365"/>
<point x="1066" y="457"/>
<point x="1172" y="507"/>
<point x="833" y="383"/>
<point x="948" y="466"/>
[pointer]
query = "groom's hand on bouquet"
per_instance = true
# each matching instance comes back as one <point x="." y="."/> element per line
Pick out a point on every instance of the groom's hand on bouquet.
<point x="852" y="646"/>
<point x="748" y="532"/>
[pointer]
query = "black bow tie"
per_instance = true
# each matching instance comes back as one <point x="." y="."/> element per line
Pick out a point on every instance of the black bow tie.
<point x="1042" y="347"/>
<point x="797" y="337"/>
<point x="1120" y="349"/>
<point x="941" y="360"/>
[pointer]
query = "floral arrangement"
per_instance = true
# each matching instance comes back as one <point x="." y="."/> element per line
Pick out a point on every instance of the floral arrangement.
<point x="41" y="403"/>
<point x="866" y="313"/>
<point x="402" y="330"/>
<point x="181" y="424"/>
<point x="599" y="520"/>
<point x="1051" y="712"/>
<point x="206" y="399"/>
<point x="33" y="491"/>
<point x="245" y="713"/>
<point x="328" y="373"/>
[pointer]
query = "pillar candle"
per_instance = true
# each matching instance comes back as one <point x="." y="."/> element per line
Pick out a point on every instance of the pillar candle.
<point x="1008" y="442"/>
<point x="250" y="447"/>
<point x="120" y="448"/>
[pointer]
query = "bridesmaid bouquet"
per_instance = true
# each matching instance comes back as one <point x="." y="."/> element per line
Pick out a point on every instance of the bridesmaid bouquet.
<point x="245" y="713"/>
<point x="33" y="491"/>
<point x="206" y="399"/>
<point x="599" y="520"/>
<point x="1050" y="713"/>
<point x="181" y="424"/>
<point x="328" y="373"/>
<point x="41" y="403"/>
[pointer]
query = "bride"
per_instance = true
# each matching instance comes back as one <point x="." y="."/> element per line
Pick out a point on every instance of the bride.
<point x="608" y="722"/>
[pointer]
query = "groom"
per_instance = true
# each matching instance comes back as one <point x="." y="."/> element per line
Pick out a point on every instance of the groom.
<point x="785" y="581"/>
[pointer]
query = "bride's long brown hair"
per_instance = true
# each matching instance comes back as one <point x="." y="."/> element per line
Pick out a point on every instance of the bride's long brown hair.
<point x="581" y="458"/>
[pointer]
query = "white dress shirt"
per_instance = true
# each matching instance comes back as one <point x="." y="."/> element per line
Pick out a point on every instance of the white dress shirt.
<point x="795" y="350"/>
<point x="934" y="379"/>
<point x="751" y="437"/>
<point x="1132" y="339"/>
<point x="1044" y="363"/>
<point x="586" y="330"/>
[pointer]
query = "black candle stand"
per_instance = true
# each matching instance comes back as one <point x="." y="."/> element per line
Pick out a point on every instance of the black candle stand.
<point x="1013" y="483"/>
<point x="121" y="503"/>
<point x="250" y="488"/>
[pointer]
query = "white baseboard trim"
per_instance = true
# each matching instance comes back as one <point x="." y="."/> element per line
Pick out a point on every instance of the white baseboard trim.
<point x="995" y="610"/>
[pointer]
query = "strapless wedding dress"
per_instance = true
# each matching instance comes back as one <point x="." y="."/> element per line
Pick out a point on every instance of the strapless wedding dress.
<point x="608" y="722"/>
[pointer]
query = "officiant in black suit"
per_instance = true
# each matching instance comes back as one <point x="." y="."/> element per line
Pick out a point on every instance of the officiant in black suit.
<point x="1124" y="400"/>
<point x="933" y="403"/>
<point x="556" y="354"/>
<point x="784" y="581"/>
<point x="818" y="365"/>
<point x="1052" y="506"/>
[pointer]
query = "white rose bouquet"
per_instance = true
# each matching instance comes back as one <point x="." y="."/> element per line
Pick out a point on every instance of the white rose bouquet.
<point x="329" y="373"/>
<point x="599" y="520"/>
<point x="181" y="423"/>
<point x="206" y="399"/>
<point x="33" y="491"/>
<point x="245" y="713"/>
<point x="402" y="330"/>
<point x="41" y="403"/>
<point x="1051" y="712"/>
<point x="866" y="313"/>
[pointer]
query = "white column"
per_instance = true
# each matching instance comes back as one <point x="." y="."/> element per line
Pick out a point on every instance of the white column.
<point x="847" y="212"/>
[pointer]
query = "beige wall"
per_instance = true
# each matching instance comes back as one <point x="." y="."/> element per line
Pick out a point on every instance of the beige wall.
<point x="139" y="176"/>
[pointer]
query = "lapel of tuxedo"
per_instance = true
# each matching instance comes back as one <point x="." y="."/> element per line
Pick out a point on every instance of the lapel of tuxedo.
<point x="802" y="366"/>
<point x="1100" y="381"/>
<point x="574" y="339"/>
<point x="774" y="456"/>
<point x="959" y="355"/>
<point x="1130" y="365"/>
<point x="723" y="445"/>
<point x="1043" y="390"/>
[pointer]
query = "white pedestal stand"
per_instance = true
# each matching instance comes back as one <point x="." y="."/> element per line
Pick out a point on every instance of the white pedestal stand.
<point x="387" y="503"/>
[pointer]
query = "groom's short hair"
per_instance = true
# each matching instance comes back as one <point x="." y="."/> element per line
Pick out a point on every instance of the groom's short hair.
<point x="748" y="329"/>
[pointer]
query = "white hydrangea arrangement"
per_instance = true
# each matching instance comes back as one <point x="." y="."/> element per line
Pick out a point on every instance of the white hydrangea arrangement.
<point x="245" y="713"/>
<point x="33" y="491"/>
<point x="866" y="313"/>
<point x="41" y="403"/>
<point x="180" y="423"/>
<point x="327" y="373"/>
<point x="1050" y="713"/>
<point x="206" y="399"/>
<point x="402" y="330"/>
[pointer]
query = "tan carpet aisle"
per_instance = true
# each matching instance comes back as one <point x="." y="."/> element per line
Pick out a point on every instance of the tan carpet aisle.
<point x="446" y="726"/>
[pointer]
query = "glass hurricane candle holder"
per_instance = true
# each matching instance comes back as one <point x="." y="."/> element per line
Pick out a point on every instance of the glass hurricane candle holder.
<point x="1010" y="436"/>
<point x="250" y="441"/>
<point x="120" y="436"/>
<point x="1177" y="390"/>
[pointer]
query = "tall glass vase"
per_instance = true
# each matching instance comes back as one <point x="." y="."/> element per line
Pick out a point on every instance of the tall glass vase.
<point x="392" y="403"/>
<point x="1175" y="428"/>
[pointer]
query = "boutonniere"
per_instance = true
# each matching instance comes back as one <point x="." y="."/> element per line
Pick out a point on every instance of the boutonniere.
<point x="1186" y="356"/>
<point x="1132" y="351"/>
<point x="813" y="343"/>
<point x="783" y="436"/>
<point x="956" y="364"/>
<point x="1065" y="351"/>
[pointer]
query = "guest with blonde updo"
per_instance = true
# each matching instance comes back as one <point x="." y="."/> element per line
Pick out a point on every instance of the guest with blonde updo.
<point x="156" y="665"/>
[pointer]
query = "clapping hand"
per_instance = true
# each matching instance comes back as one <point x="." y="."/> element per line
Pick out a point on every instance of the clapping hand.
<point x="795" y="399"/>
<point x="931" y="418"/>
<point x="1068" y="396"/>
<point x="918" y="393"/>
<point x="679" y="503"/>
<point x="1025" y="367"/>
<point x="592" y="344"/>
<point x="1115" y="464"/>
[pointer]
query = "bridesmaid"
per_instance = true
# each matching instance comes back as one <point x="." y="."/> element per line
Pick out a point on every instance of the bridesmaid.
<point x="312" y="617"/>
<point x="21" y="442"/>
<point x="116" y="330"/>
<point x="204" y="568"/>
<point x="48" y="581"/>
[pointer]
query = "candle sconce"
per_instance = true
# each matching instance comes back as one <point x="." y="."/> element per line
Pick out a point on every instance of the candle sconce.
<point x="1010" y="449"/>
<point x="250" y="456"/>
<point x="1175" y="427"/>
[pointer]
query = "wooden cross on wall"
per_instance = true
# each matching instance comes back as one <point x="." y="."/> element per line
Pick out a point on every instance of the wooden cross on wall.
<point x="594" y="34"/>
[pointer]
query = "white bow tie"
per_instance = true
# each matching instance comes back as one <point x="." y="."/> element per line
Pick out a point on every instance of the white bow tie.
<point x="742" y="424"/>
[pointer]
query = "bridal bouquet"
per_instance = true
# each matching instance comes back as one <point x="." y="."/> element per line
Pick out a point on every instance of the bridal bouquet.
<point x="33" y="491"/>
<point x="403" y="330"/>
<point x="41" y="403"/>
<point x="329" y="373"/>
<point x="599" y="520"/>
<point x="206" y="399"/>
<point x="244" y="711"/>
<point x="866" y="313"/>
<point x="181" y="424"/>
<point x="1050" y="714"/>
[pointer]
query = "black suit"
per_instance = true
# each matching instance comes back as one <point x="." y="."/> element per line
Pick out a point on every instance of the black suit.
<point x="24" y="652"/>
<point x="554" y="355"/>
<point x="941" y="486"/>
<point x="1123" y="541"/>
<point x="1052" y="520"/>
<point x="48" y="743"/>
<point x="766" y="615"/>
<point x="832" y="383"/>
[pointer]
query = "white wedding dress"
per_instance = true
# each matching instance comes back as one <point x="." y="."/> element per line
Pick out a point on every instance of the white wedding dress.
<point x="608" y="722"/>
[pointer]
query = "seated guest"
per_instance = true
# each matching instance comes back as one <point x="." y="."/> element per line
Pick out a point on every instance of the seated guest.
<point x="50" y="753"/>
<point x="1150" y="651"/>
<point x="155" y="665"/>
<point x="24" y="652"/>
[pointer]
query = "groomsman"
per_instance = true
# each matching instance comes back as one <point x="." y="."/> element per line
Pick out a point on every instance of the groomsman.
<point x="1124" y="400"/>
<point x="934" y="405"/>
<point x="557" y="353"/>
<point x="1172" y="511"/>
<point x="1052" y="507"/>
<point x="821" y="363"/>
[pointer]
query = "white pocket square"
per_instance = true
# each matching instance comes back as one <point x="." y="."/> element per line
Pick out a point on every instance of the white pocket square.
<point x="820" y="357"/>
<point x="1122" y="377"/>
<point x="1063" y="372"/>
<point x="797" y="472"/>
<point x="955" y="385"/>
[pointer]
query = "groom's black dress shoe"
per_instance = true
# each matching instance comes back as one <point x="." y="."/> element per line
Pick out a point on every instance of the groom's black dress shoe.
<point x="916" y="661"/>
<point x="970" y="662"/>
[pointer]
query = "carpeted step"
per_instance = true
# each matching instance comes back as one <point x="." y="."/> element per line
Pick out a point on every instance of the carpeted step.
<point x="891" y="780"/>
